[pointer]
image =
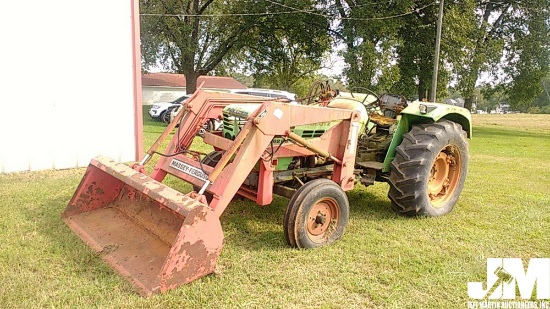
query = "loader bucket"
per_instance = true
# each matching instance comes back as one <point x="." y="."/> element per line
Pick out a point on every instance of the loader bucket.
<point x="154" y="236"/>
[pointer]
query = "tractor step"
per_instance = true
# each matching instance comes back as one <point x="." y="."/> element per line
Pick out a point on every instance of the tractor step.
<point x="371" y="165"/>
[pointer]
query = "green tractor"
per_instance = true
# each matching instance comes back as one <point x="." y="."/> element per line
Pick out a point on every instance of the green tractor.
<point x="419" y="148"/>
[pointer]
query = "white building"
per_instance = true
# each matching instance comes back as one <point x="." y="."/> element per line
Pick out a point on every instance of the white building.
<point x="502" y="108"/>
<point x="71" y="83"/>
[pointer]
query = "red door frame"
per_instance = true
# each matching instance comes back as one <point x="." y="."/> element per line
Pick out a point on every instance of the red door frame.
<point x="136" y="64"/>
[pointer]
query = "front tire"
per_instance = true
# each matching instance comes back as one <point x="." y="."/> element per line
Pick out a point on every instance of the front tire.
<point x="429" y="169"/>
<point x="210" y="127"/>
<point x="161" y="116"/>
<point x="316" y="215"/>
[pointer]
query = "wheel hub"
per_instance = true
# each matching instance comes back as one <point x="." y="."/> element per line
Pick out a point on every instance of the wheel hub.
<point x="321" y="216"/>
<point x="444" y="175"/>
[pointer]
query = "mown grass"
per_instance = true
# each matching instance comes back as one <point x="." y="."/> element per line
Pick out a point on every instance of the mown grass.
<point x="383" y="260"/>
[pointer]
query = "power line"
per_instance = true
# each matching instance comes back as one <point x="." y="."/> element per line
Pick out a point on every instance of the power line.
<point x="215" y="15"/>
<point x="352" y="18"/>
<point x="294" y="11"/>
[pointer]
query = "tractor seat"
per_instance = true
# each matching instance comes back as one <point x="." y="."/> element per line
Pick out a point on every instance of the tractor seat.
<point x="381" y="120"/>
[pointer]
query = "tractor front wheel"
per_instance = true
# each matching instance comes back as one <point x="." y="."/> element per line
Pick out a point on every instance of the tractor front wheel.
<point x="316" y="215"/>
<point x="429" y="169"/>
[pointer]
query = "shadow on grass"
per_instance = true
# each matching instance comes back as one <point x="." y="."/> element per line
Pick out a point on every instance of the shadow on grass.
<point x="261" y="228"/>
<point x="245" y="224"/>
<point x="370" y="206"/>
<point x="62" y="245"/>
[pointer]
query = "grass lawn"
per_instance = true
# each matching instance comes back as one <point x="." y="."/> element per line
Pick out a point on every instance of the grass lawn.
<point x="383" y="260"/>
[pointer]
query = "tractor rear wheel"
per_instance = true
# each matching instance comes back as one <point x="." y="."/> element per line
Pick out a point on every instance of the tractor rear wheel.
<point x="429" y="169"/>
<point x="316" y="215"/>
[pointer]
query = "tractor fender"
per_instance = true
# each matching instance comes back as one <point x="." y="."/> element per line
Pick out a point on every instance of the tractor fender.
<point x="436" y="112"/>
<point x="425" y="112"/>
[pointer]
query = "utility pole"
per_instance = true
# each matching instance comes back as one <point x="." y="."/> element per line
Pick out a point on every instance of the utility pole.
<point x="436" y="57"/>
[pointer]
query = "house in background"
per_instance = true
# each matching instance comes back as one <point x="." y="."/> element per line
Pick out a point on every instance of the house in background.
<point x="503" y="108"/>
<point x="165" y="87"/>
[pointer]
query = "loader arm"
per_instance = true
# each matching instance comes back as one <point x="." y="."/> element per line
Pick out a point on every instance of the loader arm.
<point x="158" y="238"/>
<point x="241" y="155"/>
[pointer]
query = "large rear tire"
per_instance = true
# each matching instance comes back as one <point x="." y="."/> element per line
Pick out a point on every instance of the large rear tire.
<point x="316" y="215"/>
<point x="429" y="169"/>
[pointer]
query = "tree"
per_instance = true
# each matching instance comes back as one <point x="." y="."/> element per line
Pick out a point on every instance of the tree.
<point x="543" y="101"/>
<point x="194" y="37"/>
<point x="190" y="36"/>
<point x="390" y="45"/>
<point x="289" y="49"/>
<point x="369" y="40"/>
<point x="511" y="41"/>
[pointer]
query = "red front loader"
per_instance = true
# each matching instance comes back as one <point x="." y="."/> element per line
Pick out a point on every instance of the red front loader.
<point x="159" y="238"/>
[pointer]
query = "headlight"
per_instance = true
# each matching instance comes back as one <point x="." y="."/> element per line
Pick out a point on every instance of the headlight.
<point x="423" y="109"/>
<point x="155" y="107"/>
<point x="426" y="108"/>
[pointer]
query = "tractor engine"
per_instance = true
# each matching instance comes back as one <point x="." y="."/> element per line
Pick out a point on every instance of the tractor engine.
<point x="374" y="144"/>
<point x="234" y="118"/>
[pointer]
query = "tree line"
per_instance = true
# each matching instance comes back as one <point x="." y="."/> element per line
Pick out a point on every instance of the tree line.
<point x="387" y="46"/>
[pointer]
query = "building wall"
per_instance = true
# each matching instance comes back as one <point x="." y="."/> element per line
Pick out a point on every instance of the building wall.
<point x="56" y="55"/>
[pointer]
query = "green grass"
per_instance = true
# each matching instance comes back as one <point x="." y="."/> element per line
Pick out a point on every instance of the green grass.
<point x="383" y="260"/>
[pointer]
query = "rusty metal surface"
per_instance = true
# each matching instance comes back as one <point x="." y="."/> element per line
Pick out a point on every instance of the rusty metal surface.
<point x="155" y="237"/>
<point x="170" y="198"/>
<point x="195" y="252"/>
<point x="129" y="248"/>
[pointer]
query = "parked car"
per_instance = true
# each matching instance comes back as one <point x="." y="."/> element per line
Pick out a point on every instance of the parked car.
<point x="217" y="124"/>
<point x="159" y="110"/>
<point x="174" y="112"/>
<point x="166" y="116"/>
<point x="211" y="124"/>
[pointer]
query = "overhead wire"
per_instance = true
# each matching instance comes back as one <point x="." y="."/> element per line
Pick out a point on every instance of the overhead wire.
<point x="354" y="18"/>
<point x="293" y="11"/>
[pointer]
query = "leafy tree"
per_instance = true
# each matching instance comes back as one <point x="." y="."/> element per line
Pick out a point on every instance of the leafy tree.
<point x="370" y="41"/>
<point x="289" y="48"/>
<point x="390" y="45"/>
<point x="280" y="42"/>
<point x="514" y="34"/>
<point x="190" y="36"/>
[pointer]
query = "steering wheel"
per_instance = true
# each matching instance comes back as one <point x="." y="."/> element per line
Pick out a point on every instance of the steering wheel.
<point x="316" y="91"/>
<point x="367" y="91"/>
